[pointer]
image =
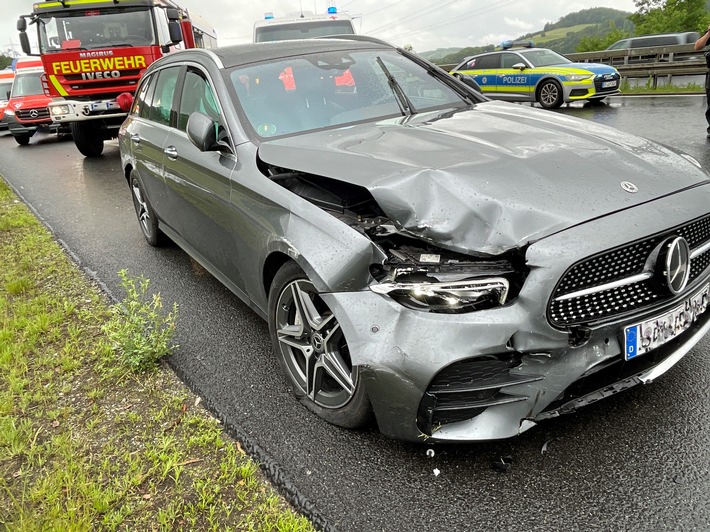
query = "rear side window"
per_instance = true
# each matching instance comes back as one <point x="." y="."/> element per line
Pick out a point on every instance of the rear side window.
<point x="162" y="104"/>
<point x="141" y="105"/>
<point x="485" y="62"/>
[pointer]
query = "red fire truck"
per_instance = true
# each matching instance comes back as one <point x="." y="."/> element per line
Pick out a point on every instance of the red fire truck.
<point x="94" y="52"/>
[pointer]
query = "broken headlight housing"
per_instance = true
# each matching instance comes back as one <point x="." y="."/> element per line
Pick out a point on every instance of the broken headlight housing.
<point x="447" y="297"/>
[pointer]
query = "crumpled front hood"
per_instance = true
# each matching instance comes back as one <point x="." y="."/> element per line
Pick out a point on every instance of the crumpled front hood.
<point x="492" y="178"/>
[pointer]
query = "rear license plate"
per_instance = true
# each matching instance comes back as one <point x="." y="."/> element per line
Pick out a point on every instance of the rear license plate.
<point x="608" y="84"/>
<point x="650" y="334"/>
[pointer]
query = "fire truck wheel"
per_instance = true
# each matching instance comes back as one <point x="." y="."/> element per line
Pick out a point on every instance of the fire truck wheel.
<point x="88" y="139"/>
<point x="23" y="140"/>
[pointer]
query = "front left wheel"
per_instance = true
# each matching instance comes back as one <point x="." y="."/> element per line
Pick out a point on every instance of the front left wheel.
<point x="88" y="138"/>
<point x="549" y="94"/>
<point x="313" y="352"/>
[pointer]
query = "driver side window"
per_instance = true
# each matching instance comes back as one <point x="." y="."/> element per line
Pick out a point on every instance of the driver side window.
<point x="197" y="96"/>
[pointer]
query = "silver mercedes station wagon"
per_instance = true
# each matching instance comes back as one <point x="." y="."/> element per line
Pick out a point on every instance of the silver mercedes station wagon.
<point x="447" y="267"/>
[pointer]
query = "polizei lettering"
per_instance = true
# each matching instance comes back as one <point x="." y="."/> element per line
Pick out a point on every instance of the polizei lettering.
<point x="108" y="67"/>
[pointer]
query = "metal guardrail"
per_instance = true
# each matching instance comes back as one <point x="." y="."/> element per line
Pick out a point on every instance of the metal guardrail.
<point x="652" y="62"/>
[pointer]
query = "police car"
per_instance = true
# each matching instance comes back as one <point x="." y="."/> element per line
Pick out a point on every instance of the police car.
<point x="526" y="74"/>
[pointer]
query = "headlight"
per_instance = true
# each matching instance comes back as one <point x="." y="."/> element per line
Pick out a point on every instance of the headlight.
<point x="453" y="297"/>
<point x="9" y="112"/>
<point x="578" y="77"/>
<point x="60" y="110"/>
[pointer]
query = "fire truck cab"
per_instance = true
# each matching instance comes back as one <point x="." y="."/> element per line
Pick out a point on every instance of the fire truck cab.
<point x="93" y="53"/>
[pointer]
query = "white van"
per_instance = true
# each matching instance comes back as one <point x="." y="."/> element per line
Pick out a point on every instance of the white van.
<point x="662" y="39"/>
<point x="302" y="26"/>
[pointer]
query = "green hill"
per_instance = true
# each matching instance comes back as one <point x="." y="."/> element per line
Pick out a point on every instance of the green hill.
<point x="580" y="30"/>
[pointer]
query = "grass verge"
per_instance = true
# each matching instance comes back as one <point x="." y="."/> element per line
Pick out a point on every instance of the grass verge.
<point x="661" y="88"/>
<point x="85" y="442"/>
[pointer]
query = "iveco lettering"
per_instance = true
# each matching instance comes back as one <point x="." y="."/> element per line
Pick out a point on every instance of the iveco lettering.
<point x="444" y="266"/>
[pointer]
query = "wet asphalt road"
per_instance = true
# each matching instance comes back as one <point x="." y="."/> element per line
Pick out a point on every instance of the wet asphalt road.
<point x="637" y="461"/>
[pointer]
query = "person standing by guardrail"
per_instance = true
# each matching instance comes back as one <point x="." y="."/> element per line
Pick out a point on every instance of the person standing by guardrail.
<point x="701" y="43"/>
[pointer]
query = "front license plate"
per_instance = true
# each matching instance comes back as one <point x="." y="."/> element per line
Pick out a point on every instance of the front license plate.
<point x="607" y="84"/>
<point x="650" y="334"/>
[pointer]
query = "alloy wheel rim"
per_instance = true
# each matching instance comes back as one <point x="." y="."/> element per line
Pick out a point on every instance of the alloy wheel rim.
<point x="313" y="346"/>
<point x="549" y="94"/>
<point x="141" y="209"/>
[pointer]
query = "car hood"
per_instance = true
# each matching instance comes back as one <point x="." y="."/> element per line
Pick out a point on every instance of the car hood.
<point x="596" y="68"/>
<point x="492" y="178"/>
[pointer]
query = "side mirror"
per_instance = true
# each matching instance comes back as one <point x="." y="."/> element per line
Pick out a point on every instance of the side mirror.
<point x="25" y="43"/>
<point x="201" y="131"/>
<point x="173" y="14"/>
<point x="175" y="32"/>
<point x="21" y="24"/>
<point x="520" y="66"/>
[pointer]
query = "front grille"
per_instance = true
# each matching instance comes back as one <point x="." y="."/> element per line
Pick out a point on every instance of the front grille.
<point x="464" y="389"/>
<point x="601" y="79"/>
<point x="40" y="113"/>
<point x="617" y="265"/>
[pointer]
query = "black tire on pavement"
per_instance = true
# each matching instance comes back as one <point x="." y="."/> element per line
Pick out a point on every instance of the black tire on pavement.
<point x="313" y="353"/>
<point x="88" y="138"/>
<point x="549" y="94"/>
<point x="147" y="219"/>
<point x="22" y="140"/>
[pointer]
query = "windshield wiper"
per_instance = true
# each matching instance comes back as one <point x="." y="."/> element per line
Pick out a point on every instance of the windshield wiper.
<point x="441" y="75"/>
<point x="404" y="103"/>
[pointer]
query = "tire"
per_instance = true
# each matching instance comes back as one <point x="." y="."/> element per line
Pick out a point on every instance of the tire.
<point x="549" y="94"/>
<point x="88" y="138"/>
<point x="22" y="140"/>
<point x="310" y="337"/>
<point x="147" y="219"/>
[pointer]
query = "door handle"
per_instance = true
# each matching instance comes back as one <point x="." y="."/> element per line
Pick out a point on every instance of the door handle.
<point x="136" y="138"/>
<point x="171" y="152"/>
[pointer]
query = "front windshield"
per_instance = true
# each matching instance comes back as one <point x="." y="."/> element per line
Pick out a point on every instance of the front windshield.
<point x="5" y="87"/>
<point x="29" y="84"/>
<point x="87" y="29"/>
<point x="336" y="88"/>
<point x="542" y="58"/>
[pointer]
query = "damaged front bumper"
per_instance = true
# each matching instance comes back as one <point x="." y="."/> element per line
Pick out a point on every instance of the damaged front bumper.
<point x="495" y="373"/>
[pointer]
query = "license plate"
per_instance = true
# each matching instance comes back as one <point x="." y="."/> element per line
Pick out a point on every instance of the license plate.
<point x="607" y="84"/>
<point x="103" y="106"/>
<point x="650" y="334"/>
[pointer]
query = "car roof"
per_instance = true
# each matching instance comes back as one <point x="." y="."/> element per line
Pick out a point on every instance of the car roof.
<point x="243" y="54"/>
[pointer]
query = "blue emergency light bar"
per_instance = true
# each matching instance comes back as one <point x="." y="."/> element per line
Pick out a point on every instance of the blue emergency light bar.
<point x="268" y="15"/>
<point x="507" y="45"/>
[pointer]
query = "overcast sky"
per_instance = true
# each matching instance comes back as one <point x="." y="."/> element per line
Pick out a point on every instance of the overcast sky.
<point x="424" y="25"/>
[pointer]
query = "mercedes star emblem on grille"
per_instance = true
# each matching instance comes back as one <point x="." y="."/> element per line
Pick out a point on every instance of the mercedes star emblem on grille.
<point x="629" y="187"/>
<point x="673" y="267"/>
<point x="34" y="113"/>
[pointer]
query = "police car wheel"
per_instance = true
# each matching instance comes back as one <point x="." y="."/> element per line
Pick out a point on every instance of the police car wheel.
<point x="549" y="94"/>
